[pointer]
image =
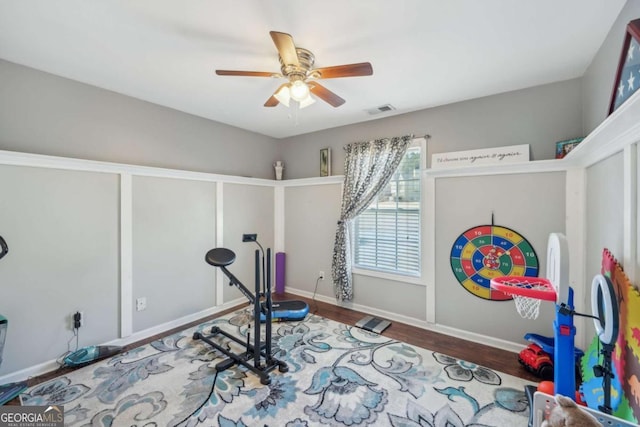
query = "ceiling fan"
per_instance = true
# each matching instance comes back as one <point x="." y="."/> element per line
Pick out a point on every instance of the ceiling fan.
<point x="296" y="65"/>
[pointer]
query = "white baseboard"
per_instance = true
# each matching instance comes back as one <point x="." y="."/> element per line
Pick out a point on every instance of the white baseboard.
<point x="443" y="329"/>
<point x="478" y="338"/>
<point x="52" y="365"/>
<point x="30" y="372"/>
<point x="370" y="310"/>
<point x="158" y="329"/>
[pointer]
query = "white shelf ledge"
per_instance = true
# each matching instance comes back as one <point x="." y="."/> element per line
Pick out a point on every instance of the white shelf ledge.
<point x="620" y="129"/>
<point x="537" y="166"/>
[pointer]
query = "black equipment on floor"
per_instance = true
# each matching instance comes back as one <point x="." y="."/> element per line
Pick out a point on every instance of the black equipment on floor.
<point x="282" y="311"/>
<point x="604" y="304"/>
<point x="373" y="324"/>
<point x="257" y="356"/>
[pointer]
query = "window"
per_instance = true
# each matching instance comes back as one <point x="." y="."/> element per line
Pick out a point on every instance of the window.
<point x="387" y="233"/>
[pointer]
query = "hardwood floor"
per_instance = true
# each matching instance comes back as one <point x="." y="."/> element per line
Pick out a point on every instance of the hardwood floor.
<point x="500" y="360"/>
<point x="490" y="357"/>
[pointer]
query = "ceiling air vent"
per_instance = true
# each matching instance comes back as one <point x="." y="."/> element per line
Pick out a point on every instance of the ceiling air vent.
<point x="380" y="109"/>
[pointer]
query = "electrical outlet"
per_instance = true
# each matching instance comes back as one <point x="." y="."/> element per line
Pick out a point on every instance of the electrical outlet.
<point x="141" y="303"/>
<point x="76" y="319"/>
<point x="321" y="275"/>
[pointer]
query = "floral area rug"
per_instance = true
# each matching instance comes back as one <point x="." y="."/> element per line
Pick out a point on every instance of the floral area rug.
<point x="338" y="376"/>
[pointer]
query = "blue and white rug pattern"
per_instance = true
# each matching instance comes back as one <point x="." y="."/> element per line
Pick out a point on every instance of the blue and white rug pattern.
<point x="338" y="376"/>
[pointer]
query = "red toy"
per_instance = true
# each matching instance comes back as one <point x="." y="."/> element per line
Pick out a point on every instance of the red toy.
<point x="537" y="361"/>
<point x="537" y="357"/>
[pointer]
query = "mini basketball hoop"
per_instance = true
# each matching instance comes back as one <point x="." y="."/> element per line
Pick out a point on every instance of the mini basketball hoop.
<point x="527" y="292"/>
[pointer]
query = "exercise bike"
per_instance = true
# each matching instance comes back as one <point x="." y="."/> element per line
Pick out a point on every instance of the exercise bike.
<point x="282" y="311"/>
<point x="257" y="356"/>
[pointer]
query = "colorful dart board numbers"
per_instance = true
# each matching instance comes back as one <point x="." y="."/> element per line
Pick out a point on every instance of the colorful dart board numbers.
<point x="488" y="251"/>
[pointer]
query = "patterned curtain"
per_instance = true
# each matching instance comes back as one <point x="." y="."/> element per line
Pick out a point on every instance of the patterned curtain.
<point x="368" y="168"/>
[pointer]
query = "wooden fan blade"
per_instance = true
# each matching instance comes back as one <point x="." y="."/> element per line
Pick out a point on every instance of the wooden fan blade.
<point x="273" y="101"/>
<point x="286" y="48"/>
<point x="246" y="73"/>
<point x="325" y="94"/>
<point x="349" y="70"/>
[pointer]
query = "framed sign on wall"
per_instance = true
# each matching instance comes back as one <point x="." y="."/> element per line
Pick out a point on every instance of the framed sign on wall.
<point x="627" y="79"/>
<point x="325" y="162"/>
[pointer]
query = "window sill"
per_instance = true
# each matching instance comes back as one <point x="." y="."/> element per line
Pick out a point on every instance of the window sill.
<point x="389" y="276"/>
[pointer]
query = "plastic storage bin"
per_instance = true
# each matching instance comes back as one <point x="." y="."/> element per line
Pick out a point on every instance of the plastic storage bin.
<point x="543" y="404"/>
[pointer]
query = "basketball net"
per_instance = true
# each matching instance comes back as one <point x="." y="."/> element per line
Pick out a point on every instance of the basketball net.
<point x="527" y="293"/>
<point x="528" y="308"/>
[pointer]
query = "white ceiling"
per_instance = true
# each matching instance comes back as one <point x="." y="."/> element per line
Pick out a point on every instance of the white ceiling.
<point x="424" y="53"/>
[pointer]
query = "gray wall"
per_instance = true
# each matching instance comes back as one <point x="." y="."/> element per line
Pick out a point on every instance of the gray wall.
<point x="597" y="82"/>
<point x="44" y="114"/>
<point x="174" y="224"/>
<point x="402" y="298"/>
<point x="311" y="215"/>
<point x="247" y="209"/>
<point x="311" y="212"/>
<point x="63" y="231"/>
<point x="515" y="201"/>
<point x="604" y="213"/>
<point x="537" y="116"/>
<point x="63" y="235"/>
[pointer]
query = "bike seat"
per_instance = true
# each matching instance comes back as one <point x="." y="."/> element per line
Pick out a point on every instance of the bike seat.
<point x="220" y="257"/>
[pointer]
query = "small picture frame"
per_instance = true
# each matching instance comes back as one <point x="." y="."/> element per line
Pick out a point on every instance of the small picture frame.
<point x="325" y="162"/>
<point x="628" y="75"/>
<point x="564" y="147"/>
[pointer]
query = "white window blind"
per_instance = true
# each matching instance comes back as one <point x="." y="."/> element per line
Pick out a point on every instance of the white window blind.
<point x="387" y="233"/>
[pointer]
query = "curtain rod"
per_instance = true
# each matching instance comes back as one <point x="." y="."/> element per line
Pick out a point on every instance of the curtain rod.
<point x="425" y="136"/>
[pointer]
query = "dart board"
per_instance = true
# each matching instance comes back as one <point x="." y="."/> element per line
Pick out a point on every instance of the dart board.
<point x="488" y="251"/>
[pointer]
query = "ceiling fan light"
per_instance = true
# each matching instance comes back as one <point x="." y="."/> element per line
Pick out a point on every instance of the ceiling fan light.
<point x="283" y="95"/>
<point x="299" y="90"/>
<point x="307" y="101"/>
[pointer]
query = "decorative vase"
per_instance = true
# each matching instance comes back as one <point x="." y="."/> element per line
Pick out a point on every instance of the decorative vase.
<point x="279" y="167"/>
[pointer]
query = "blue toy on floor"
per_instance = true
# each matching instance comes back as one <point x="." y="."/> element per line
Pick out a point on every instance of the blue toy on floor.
<point x="90" y="354"/>
<point x="287" y="311"/>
